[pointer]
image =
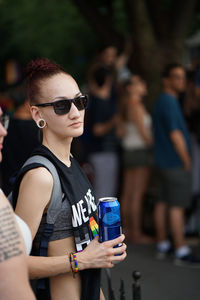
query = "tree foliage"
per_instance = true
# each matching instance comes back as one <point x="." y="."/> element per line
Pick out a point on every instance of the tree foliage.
<point x="54" y="29"/>
<point x="69" y="31"/>
<point x="158" y="29"/>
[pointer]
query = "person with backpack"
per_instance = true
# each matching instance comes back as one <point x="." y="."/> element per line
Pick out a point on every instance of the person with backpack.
<point x="14" y="282"/>
<point x="70" y="243"/>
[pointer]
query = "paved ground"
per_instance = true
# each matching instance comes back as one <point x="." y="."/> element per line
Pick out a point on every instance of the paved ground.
<point x="161" y="280"/>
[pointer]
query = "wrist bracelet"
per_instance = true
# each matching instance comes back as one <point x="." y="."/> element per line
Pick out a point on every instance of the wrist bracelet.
<point x="75" y="263"/>
<point x="73" y="259"/>
<point x="70" y="261"/>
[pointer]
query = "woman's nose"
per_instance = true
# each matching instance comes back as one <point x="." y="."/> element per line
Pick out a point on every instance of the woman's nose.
<point x="74" y="112"/>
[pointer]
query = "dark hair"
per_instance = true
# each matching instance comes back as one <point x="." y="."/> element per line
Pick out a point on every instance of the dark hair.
<point x="100" y="75"/>
<point x="168" y="69"/>
<point x="36" y="70"/>
<point x="105" y="46"/>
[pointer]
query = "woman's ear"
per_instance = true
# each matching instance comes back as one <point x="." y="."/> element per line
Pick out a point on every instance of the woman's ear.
<point x="35" y="113"/>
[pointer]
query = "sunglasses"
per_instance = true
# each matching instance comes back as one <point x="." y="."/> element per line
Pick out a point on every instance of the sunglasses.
<point x="4" y="120"/>
<point x="62" y="107"/>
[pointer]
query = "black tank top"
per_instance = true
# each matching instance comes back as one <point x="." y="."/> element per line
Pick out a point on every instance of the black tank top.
<point x="79" y="193"/>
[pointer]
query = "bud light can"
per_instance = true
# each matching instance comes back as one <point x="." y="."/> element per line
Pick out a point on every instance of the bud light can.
<point x="109" y="219"/>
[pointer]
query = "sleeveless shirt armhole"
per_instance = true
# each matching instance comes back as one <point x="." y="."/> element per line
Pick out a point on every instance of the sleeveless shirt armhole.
<point x="63" y="225"/>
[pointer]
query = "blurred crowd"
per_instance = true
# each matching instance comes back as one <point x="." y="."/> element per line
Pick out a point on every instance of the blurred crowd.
<point x="150" y="160"/>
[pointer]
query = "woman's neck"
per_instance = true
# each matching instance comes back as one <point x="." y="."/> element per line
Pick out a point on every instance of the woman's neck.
<point x="60" y="148"/>
<point x="135" y="98"/>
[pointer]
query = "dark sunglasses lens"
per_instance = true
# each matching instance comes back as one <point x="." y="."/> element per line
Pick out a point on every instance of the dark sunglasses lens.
<point x="81" y="102"/>
<point x="62" y="107"/>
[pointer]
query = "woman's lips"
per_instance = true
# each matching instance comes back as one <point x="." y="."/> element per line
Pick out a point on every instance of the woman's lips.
<point x="76" y="124"/>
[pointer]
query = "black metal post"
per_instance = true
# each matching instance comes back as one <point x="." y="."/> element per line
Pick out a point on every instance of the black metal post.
<point x="110" y="290"/>
<point x="121" y="290"/>
<point x="136" y="286"/>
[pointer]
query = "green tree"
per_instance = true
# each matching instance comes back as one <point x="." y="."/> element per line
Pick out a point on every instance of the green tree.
<point x="69" y="31"/>
<point x="53" y="29"/>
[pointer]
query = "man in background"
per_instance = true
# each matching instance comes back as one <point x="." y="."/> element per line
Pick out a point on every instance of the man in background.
<point x="173" y="162"/>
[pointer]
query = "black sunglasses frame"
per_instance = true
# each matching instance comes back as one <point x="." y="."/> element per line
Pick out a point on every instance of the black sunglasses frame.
<point x="80" y="102"/>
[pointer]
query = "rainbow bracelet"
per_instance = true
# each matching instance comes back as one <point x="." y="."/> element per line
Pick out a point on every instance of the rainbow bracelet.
<point x="73" y="259"/>
<point x="75" y="263"/>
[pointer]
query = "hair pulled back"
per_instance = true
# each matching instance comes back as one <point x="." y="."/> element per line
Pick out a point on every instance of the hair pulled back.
<point x="37" y="70"/>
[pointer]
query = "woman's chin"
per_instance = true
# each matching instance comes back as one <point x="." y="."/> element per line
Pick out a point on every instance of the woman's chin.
<point x="77" y="133"/>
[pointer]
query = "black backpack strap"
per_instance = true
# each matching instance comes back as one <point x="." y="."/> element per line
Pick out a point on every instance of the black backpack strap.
<point x="53" y="209"/>
<point x="54" y="206"/>
<point x="42" y="283"/>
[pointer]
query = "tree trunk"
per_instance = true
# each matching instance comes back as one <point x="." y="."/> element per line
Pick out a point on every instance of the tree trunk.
<point x="158" y="35"/>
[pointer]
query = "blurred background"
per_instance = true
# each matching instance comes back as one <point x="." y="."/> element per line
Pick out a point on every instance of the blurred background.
<point x="107" y="45"/>
<point x="71" y="33"/>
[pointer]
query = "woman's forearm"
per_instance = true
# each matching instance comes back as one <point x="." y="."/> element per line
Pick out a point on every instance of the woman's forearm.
<point x="95" y="255"/>
<point x="41" y="267"/>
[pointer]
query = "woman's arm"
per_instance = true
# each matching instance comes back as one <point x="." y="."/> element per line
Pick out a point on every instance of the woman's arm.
<point x="14" y="282"/>
<point x="101" y="129"/>
<point x="95" y="255"/>
<point x="34" y="196"/>
<point x="101" y="295"/>
<point x="123" y="58"/>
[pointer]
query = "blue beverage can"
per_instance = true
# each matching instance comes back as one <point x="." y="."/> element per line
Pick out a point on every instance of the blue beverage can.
<point x="109" y="219"/>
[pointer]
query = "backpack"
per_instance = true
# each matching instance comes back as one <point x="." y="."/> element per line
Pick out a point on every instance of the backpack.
<point x="41" y="287"/>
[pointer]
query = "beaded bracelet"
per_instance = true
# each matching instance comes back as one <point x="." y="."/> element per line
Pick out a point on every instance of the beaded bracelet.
<point x="73" y="258"/>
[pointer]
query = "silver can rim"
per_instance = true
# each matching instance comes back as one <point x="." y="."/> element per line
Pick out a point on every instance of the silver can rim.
<point x="107" y="199"/>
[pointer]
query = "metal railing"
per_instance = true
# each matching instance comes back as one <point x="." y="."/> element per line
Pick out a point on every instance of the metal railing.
<point x="136" y="289"/>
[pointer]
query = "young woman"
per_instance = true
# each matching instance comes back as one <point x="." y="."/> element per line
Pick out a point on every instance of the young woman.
<point x="14" y="282"/>
<point x="136" y="142"/>
<point x="58" y="107"/>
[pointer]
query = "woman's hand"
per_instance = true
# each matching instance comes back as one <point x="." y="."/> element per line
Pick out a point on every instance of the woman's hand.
<point x="102" y="255"/>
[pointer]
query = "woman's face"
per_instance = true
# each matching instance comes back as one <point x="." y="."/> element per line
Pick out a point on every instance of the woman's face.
<point x="58" y="87"/>
<point x="3" y="133"/>
<point x="138" y="86"/>
<point x="109" y="56"/>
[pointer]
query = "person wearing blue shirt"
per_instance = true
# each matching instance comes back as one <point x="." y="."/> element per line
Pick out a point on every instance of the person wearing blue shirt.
<point x="168" y="118"/>
<point x="173" y="162"/>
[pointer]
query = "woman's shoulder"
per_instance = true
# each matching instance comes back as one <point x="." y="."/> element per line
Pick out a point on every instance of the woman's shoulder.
<point x="40" y="176"/>
<point x="35" y="189"/>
